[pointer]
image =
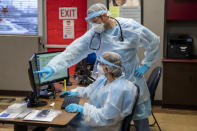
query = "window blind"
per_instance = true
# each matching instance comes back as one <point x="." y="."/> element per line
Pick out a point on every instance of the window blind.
<point x="19" y="17"/>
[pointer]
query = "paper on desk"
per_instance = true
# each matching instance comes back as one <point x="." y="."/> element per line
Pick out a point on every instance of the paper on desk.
<point x="6" y="114"/>
<point x="33" y="115"/>
<point x="25" y="113"/>
<point x="9" y="116"/>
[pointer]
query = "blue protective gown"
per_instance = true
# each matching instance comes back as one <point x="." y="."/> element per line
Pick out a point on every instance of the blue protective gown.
<point x="108" y="105"/>
<point x="135" y="35"/>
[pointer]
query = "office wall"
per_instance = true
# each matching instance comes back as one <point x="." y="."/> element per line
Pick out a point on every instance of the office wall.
<point x="154" y="20"/>
<point x="40" y="17"/>
<point x="14" y="54"/>
<point x="91" y="2"/>
<point x="15" y="50"/>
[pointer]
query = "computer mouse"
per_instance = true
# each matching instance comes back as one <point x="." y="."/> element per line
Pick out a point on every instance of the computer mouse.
<point x="62" y="96"/>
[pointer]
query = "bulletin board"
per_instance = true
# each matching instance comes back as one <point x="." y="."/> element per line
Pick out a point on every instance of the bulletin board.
<point x="65" y="20"/>
<point x="126" y="9"/>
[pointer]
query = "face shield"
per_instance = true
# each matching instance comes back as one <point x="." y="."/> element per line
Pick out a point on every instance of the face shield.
<point x="95" y="14"/>
<point x="102" y="60"/>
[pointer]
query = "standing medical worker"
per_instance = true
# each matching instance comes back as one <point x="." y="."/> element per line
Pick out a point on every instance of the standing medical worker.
<point x="119" y="35"/>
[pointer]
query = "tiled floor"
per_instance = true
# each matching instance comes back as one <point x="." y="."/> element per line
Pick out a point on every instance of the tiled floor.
<point x="169" y="119"/>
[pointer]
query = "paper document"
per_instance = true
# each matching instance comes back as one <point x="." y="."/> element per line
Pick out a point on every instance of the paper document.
<point x="25" y="113"/>
<point x="13" y="115"/>
<point x="33" y="116"/>
<point x="9" y="116"/>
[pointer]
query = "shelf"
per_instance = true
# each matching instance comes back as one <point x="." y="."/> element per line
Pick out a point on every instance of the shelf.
<point x="179" y="60"/>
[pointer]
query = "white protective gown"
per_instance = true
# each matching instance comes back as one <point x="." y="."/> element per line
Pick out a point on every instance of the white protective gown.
<point x="108" y="105"/>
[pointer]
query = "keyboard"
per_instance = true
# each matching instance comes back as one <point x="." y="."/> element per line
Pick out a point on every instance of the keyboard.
<point x="69" y="100"/>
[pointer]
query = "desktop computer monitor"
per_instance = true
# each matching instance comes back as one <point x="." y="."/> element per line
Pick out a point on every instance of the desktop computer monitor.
<point x="36" y="62"/>
<point x="33" y="78"/>
<point x="42" y="59"/>
<point x="32" y="100"/>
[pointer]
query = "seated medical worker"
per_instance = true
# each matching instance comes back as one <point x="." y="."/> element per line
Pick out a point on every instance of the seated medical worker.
<point x="111" y="98"/>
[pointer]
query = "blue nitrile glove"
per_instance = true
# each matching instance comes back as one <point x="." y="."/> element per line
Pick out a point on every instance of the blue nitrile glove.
<point x="47" y="70"/>
<point x="139" y="72"/>
<point x="70" y="93"/>
<point x="74" y="108"/>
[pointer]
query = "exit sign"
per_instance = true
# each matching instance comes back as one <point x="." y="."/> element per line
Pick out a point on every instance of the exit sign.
<point x="67" y="13"/>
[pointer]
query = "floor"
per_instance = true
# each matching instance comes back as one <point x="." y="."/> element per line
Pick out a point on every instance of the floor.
<point x="169" y="119"/>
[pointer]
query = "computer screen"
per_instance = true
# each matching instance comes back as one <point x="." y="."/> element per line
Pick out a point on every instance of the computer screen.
<point x="42" y="60"/>
<point x="32" y="100"/>
<point x="34" y="79"/>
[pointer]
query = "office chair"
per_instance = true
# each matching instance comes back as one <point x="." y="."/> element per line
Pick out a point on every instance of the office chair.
<point x="152" y="84"/>
<point x="127" y="120"/>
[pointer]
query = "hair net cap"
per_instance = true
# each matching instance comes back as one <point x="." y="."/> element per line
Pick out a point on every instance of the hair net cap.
<point x="113" y="62"/>
<point x="96" y="10"/>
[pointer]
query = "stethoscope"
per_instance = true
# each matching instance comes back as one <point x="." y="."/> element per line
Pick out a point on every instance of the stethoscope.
<point x="99" y="34"/>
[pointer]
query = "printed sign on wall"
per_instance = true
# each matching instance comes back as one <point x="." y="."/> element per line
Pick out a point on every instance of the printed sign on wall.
<point x="68" y="29"/>
<point x="126" y="9"/>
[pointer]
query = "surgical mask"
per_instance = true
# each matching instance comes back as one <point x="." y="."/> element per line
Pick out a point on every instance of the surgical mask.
<point x="98" y="27"/>
<point x="100" y="70"/>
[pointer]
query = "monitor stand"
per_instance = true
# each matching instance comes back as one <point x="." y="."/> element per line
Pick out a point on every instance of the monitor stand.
<point x="48" y="92"/>
<point x="32" y="101"/>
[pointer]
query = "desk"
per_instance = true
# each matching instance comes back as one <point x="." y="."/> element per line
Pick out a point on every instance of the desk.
<point x="179" y="83"/>
<point x="60" y="121"/>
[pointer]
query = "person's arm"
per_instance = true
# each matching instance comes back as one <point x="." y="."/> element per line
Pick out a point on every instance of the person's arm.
<point x="118" y="105"/>
<point x="108" y="115"/>
<point x="74" y="53"/>
<point x="151" y="43"/>
<point x="86" y="91"/>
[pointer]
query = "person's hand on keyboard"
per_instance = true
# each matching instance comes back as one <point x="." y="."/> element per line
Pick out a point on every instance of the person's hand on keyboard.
<point x="74" y="108"/>
<point x="70" y="93"/>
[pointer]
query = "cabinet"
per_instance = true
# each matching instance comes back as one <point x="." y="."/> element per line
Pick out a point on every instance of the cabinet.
<point x="180" y="82"/>
<point x="181" y="10"/>
<point x="180" y="75"/>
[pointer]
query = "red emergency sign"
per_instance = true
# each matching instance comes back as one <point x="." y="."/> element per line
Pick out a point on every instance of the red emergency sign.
<point x="67" y="13"/>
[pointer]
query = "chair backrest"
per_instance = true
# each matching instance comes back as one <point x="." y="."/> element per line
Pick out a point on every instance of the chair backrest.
<point x="153" y="80"/>
<point x="127" y="120"/>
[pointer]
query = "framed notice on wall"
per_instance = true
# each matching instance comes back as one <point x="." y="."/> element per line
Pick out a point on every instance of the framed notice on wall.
<point x="126" y="9"/>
